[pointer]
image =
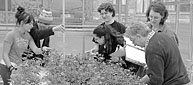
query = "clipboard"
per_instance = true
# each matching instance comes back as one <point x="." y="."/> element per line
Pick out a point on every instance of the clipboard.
<point x="134" y="54"/>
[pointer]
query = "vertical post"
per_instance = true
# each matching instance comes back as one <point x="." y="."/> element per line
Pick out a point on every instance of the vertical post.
<point x="191" y="38"/>
<point x="83" y="10"/>
<point x="63" y="22"/>
<point x="177" y="16"/>
<point x="6" y="11"/>
<point x="119" y="12"/>
<point x="191" y="26"/>
<point x="83" y="18"/>
<point x="126" y="11"/>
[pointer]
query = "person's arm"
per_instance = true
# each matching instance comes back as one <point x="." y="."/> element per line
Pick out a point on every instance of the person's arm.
<point x="94" y="50"/>
<point x="46" y="42"/>
<point x="6" y="48"/>
<point x="145" y="79"/>
<point x="35" y="49"/>
<point x="155" y="68"/>
<point x="120" y="51"/>
<point x="38" y="34"/>
<point x="122" y="28"/>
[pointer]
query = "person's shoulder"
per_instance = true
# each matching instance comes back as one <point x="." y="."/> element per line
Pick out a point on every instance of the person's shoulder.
<point x="167" y="29"/>
<point x="11" y="33"/>
<point x="102" y="23"/>
<point x="119" y="24"/>
<point x="116" y="22"/>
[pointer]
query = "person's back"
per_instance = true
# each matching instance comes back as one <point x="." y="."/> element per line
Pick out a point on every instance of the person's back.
<point x="165" y="65"/>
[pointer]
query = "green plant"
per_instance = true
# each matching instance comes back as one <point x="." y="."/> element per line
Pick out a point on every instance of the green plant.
<point x="74" y="70"/>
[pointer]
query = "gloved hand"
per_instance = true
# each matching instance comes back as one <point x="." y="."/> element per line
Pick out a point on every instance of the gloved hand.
<point x="11" y="68"/>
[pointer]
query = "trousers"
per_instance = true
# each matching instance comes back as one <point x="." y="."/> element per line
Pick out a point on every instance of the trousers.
<point x="5" y="74"/>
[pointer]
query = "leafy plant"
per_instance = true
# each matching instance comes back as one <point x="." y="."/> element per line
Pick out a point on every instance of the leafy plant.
<point x="73" y="70"/>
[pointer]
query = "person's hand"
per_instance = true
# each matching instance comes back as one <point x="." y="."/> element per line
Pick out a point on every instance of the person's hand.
<point x="12" y="68"/>
<point x="92" y="52"/>
<point x="119" y="52"/>
<point x="59" y="28"/>
<point x="114" y="58"/>
<point x="144" y="79"/>
<point x="46" y="48"/>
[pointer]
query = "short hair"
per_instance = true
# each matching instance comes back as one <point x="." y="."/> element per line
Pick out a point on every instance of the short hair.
<point x="159" y="7"/>
<point x="138" y="27"/>
<point x="107" y="7"/>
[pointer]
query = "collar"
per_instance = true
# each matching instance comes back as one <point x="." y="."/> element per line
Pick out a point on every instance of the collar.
<point x="149" y="36"/>
<point x="110" y="22"/>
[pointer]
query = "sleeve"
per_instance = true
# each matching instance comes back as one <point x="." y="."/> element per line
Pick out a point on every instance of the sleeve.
<point x="46" y="42"/>
<point x="9" y="38"/>
<point x="38" y="34"/>
<point x="155" y="70"/>
<point x="123" y="28"/>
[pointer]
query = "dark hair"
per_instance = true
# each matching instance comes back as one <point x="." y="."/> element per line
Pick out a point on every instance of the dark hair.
<point x="111" y="36"/>
<point x="158" y="7"/>
<point x="21" y="15"/>
<point x="107" y="7"/>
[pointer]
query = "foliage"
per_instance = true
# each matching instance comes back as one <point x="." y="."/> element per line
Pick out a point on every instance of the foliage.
<point x="72" y="70"/>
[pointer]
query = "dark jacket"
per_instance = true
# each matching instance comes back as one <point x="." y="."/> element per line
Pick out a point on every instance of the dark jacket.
<point x="165" y="65"/>
<point x="38" y="34"/>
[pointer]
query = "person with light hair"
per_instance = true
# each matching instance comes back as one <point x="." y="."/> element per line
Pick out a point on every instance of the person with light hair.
<point x="163" y="58"/>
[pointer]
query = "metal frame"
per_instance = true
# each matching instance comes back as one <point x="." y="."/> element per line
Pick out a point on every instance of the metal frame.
<point x="191" y="39"/>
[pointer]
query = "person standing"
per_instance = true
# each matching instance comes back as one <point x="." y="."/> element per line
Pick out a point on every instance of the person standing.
<point x="16" y="42"/>
<point x="163" y="58"/>
<point x="107" y="13"/>
<point x="156" y="15"/>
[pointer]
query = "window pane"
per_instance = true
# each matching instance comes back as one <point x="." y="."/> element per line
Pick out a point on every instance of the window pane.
<point x="2" y="5"/>
<point x="185" y="8"/>
<point x="168" y="0"/>
<point x="171" y="7"/>
<point x="11" y="17"/>
<point x="2" y="17"/>
<point x="139" y="6"/>
<point x="9" y="5"/>
<point x="123" y="2"/>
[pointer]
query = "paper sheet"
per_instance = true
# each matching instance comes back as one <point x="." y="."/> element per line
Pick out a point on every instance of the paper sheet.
<point x="134" y="54"/>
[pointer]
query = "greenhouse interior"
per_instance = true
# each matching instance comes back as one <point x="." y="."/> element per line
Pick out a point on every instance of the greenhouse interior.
<point x="80" y="18"/>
